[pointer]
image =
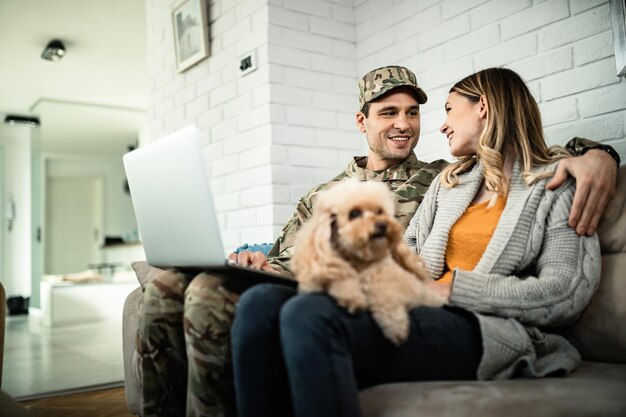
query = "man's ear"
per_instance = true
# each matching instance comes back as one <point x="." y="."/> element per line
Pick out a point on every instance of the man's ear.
<point x="360" y="121"/>
<point x="483" y="107"/>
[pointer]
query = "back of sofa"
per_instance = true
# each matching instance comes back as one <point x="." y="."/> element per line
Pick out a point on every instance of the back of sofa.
<point x="600" y="333"/>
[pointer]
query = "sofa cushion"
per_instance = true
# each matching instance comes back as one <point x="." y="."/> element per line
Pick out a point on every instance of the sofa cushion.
<point x="145" y="272"/>
<point x="612" y="227"/>
<point x="600" y="333"/>
<point x="595" y="389"/>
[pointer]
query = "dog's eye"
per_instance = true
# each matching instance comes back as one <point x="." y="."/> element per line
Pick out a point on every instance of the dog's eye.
<point x="354" y="214"/>
<point x="379" y="211"/>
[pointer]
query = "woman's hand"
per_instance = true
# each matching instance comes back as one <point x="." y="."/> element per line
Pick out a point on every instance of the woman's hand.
<point x="443" y="289"/>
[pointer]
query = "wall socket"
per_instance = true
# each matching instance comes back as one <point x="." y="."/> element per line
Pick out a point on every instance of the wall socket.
<point x="247" y="63"/>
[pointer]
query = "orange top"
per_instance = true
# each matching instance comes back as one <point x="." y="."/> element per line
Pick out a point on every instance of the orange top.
<point x="470" y="236"/>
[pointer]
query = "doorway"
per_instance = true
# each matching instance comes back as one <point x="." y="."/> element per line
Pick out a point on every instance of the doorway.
<point x="74" y="224"/>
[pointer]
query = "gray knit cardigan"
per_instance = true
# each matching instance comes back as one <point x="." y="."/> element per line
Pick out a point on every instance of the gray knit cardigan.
<point x="536" y="272"/>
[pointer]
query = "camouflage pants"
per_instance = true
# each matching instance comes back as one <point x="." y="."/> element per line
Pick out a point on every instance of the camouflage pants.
<point x="184" y="346"/>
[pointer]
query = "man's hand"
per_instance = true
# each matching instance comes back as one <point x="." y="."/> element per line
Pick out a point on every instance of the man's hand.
<point x="596" y="177"/>
<point x="255" y="260"/>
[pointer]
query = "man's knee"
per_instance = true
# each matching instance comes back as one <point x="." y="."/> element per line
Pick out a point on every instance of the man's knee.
<point x="164" y="294"/>
<point x="205" y="288"/>
<point x="209" y="309"/>
<point x="203" y="282"/>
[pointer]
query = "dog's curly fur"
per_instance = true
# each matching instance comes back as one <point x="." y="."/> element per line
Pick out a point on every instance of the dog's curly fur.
<point x="352" y="248"/>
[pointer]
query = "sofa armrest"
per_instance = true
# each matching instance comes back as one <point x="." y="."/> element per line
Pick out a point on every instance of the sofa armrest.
<point x="132" y="373"/>
<point x="145" y="272"/>
<point x="600" y="334"/>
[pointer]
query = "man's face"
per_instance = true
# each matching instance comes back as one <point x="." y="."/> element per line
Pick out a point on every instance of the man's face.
<point x="392" y="129"/>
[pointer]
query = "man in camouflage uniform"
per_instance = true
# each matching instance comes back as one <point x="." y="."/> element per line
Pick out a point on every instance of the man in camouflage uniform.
<point x="406" y="176"/>
<point x="184" y="332"/>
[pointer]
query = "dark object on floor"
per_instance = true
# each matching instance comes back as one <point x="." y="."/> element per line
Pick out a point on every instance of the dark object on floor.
<point x="11" y="408"/>
<point x="17" y="305"/>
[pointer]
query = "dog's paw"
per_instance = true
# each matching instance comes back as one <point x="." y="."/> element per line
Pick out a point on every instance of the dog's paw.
<point x="430" y="298"/>
<point x="393" y="323"/>
<point x="397" y="334"/>
<point x="304" y="287"/>
<point x="354" y="303"/>
<point x="349" y="294"/>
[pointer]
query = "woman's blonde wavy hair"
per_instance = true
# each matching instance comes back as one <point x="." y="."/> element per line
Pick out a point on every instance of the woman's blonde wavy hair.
<point x="513" y="125"/>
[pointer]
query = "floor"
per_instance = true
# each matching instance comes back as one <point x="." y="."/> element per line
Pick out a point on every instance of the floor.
<point x="39" y="361"/>
<point x="104" y="403"/>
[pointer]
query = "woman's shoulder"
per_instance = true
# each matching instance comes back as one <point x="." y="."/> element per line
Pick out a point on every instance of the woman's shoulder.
<point x="550" y="167"/>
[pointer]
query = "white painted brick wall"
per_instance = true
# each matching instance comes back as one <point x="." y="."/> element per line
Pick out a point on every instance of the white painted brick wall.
<point x="496" y="10"/>
<point x="314" y="96"/>
<point x="576" y="27"/>
<point x="559" y="111"/>
<point x="289" y="125"/>
<point x="563" y="48"/>
<point x="534" y="18"/>
<point x="542" y="65"/>
<point x="594" y="48"/>
<point x="230" y="110"/>
<point x="579" y="79"/>
<point x="451" y="8"/>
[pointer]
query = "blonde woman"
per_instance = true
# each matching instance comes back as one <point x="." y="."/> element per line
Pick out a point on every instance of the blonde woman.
<point x="496" y="240"/>
<point x="497" y="244"/>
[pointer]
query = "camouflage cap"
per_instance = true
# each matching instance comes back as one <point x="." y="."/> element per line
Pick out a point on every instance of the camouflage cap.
<point x="382" y="80"/>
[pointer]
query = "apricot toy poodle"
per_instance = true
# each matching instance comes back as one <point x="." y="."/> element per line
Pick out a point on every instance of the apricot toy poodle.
<point x="352" y="248"/>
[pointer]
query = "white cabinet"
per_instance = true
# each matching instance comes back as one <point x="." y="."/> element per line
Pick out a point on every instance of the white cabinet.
<point x="67" y="303"/>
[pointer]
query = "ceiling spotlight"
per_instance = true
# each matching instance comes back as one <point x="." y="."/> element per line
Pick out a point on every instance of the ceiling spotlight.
<point x="54" y="51"/>
<point x="14" y="120"/>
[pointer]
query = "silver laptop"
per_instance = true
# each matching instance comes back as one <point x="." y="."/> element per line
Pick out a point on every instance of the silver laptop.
<point x="169" y="188"/>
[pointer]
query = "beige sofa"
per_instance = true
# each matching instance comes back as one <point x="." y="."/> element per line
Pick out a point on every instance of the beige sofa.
<point x="596" y="389"/>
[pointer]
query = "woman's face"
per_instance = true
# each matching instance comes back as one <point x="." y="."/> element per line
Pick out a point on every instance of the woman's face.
<point x="464" y="123"/>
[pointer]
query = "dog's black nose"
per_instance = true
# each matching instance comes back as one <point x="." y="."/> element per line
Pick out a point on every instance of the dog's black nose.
<point x="380" y="229"/>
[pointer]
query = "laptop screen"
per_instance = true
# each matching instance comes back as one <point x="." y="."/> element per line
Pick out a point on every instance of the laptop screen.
<point x="172" y="200"/>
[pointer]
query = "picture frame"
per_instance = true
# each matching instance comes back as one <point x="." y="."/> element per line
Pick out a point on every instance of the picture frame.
<point x="191" y="40"/>
<point x="618" y="23"/>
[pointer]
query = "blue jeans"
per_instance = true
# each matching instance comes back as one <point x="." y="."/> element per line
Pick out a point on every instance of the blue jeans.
<point x="303" y="355"/>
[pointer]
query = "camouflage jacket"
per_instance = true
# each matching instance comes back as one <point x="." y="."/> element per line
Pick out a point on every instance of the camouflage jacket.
<point x="408" y="181"/>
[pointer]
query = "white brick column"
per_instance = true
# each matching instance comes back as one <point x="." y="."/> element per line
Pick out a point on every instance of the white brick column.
<point x="232" y="111"/>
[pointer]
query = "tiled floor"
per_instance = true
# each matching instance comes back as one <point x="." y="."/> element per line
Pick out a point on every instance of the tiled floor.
<point x="38" y="359"/>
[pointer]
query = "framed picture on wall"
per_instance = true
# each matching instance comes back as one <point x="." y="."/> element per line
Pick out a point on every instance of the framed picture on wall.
<point x="618" y="23"/>
<point x="190" y="33"/>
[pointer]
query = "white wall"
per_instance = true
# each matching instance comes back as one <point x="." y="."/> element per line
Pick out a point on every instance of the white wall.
<point x="271" y="135"/>
<point x="562" y="48"/>
<point x="314" y="96"/>
<point x="16" y="271"/>
<point x="232" y="111"/>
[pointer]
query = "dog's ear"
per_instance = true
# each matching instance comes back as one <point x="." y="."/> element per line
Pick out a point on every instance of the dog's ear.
<point x="404" y="256"/>
<point x="315" y="259"/>
<point x="312" y="245"/>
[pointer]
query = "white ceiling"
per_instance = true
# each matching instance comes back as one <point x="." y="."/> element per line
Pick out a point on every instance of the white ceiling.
<point x="93" y="101"/>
